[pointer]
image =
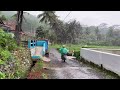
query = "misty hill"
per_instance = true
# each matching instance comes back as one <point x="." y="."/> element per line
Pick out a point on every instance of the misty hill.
<point x="30" y="22"/>
<point x="8" y="14"/>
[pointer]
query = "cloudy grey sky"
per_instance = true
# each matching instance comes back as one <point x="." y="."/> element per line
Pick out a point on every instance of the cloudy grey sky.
<point x="88" y="17"/>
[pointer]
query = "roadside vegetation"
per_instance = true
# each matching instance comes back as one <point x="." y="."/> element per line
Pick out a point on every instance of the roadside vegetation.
<point x="14" y="60"/>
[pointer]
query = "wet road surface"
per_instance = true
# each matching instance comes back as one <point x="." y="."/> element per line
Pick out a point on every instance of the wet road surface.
<point x="72" y="69"/>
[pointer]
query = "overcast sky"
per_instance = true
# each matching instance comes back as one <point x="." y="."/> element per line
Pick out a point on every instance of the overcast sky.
<point x="88" y="17"/>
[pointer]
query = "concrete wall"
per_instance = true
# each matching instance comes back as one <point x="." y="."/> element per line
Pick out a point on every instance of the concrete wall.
<point x="108" y="60"/>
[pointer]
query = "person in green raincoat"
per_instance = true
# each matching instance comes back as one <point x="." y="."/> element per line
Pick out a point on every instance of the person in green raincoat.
<point x="64" y="51"/>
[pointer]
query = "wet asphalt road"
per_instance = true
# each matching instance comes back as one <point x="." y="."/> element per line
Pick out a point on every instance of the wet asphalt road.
<point x="72" y="69"/>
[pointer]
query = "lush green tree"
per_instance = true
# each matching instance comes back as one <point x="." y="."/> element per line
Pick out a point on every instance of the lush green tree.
<point x="40" y="33"/>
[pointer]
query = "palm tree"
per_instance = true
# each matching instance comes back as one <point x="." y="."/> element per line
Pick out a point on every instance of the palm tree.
<point x="48" y="17"/>
<point x="52" y="19"/>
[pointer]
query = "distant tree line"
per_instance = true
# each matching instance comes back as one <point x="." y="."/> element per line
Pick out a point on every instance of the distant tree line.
<point x="73" y="32"/>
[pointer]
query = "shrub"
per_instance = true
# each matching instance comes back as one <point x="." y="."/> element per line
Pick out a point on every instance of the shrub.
<point x="6" y="41"/>
<point x="4" y="55"/>
<point x="7" y="44"/>
<point x="77" y="54"/>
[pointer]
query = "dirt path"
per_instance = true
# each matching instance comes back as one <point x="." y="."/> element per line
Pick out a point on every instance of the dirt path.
<point x="72" y="69"/>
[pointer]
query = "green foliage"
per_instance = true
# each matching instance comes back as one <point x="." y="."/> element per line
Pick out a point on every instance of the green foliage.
<point x="2" y="62"/>
<point x="77" y="54"/>
<point x="40" y="64"/>
<point x="7" y="44"/>
<point x="10" y="58"/>
<point x="43" y="31"/>
<point x="5" y="55"/>
<point x="2" y="75"/>
<point x="6" y="41"/>
<point x="12" y="45"/>
<point x="19" y="71"/>
<point x="40" y="33"/>
<point x="10" y="75"/>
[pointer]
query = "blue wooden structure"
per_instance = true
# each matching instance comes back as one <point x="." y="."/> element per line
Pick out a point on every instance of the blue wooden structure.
<point x="36" y="43"/>
<point x="31" y="43"/>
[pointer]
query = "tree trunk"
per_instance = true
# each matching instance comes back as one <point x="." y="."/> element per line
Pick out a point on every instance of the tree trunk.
<point x="18" y="26"/>
<point x="21" y="20"/>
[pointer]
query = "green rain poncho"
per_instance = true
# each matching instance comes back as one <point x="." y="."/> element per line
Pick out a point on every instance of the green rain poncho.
<point x="63" y="51"/>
